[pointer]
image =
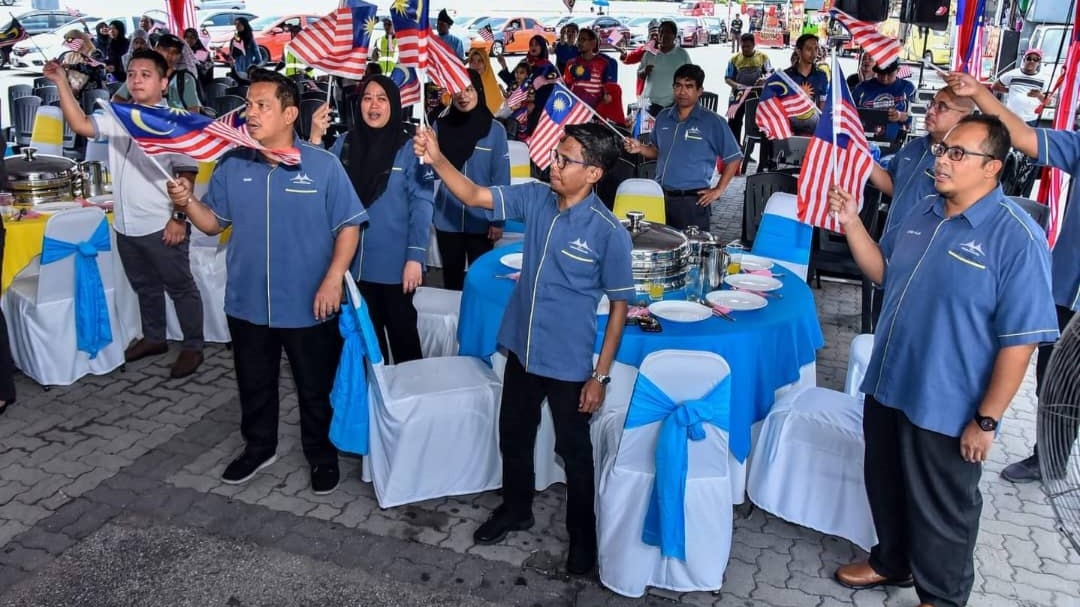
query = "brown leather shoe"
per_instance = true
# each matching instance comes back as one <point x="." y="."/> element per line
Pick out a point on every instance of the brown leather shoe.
<point x="860" y="576"/>
<point x="186" y="363"/>
<point x="143" y="348"/>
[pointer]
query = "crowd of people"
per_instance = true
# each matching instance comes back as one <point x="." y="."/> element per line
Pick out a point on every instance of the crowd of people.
<point x="367" y="203"/>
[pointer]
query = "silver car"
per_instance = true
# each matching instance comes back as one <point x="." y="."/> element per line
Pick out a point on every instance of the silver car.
<point x="205" y="5"/>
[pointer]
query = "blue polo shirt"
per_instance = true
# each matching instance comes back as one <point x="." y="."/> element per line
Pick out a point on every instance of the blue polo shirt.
<point x="284" y="220"/>
<point x="688" y="149"/>
<point x="488" y="165"/>
<point x="571" y="259"/>
<point x="873" y="95"/>
<point x="816" y="84"/>
<point x="910" y="169"/>
<point x="957" y="290"/>
<point x="1061" y="149"/>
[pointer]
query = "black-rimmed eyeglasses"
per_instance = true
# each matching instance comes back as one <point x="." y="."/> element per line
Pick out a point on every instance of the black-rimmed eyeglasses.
<point x="954" y="153"/>
<point x="560" y="160"/>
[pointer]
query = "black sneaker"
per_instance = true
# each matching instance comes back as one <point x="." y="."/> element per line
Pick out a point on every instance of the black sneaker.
<point x="244" y="467"/>
<point x="500" y="523"/>
<point x="1023" y="471"/>
<point x="324" y="478"/>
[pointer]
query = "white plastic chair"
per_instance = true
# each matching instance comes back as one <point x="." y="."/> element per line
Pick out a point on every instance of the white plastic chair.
<point x="643" y="195"/>
<point x="626" y="463"/>
<point x="40" y="309"/>
<point x="862" y="346"/>
<point x="437" y="320"/>
<point x="433" y="427"/>
<point x="807" y="465"/>
<point x="782" y="237"/>
<point x="520" y="163"/>
<point x="207" y="259"/>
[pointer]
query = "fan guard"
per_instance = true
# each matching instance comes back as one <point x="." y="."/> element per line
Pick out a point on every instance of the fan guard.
<point x="1058" y="419"/>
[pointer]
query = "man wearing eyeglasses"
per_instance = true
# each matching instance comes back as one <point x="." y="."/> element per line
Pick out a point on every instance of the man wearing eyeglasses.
<point x="967" y="299"/>
<point x="1059" y="149"/>
<point x="1023" y="87"/>
<point x="575" y="252"/>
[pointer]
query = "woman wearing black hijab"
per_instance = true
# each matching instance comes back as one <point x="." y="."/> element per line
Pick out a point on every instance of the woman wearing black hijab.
<point x="117" y="48"/>
<point x="397" y="193"/>
<point x="475" y="143"/>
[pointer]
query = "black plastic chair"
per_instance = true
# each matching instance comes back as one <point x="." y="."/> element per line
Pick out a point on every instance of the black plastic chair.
<point x="227" y="103"/>
<point x="215" y="90"/>
<point x="113" y="87"/>
<point x="228" y="82"/>
<point x="647" y="169"/>
<point x="829" y="252"/>
<point x="871" y="292"/>
<point x="709" y="101"/>
<point x="759" y="187"/>
<point x="89" y="97"/>
<point x="238" y="91"/>
<point x="625" y="168"/>
<point x="307" y="111"/>
<point x="41" y="81"/>
<point x="48" y="94"/>
<point x="1038" y="211"/>
<point x="14" y="92"/>
<point x="24" y="110"/>
<point x="753" y="135"/>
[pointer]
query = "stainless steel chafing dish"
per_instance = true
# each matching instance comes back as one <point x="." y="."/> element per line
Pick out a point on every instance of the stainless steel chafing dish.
<point x="660" y="254"/>
<point x="36" y="178"/>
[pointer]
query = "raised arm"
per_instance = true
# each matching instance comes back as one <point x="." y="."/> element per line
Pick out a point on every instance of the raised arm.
<point x="73" y="114"/>
<point x="426" y="147"/>
<point x="1023" y="136"/>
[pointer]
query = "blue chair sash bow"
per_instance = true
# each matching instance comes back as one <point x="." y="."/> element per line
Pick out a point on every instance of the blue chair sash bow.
<point x="665" y="524"/>
<point x="92" y="329"/>
<point x="349" y="396"/>
<point x="783" y="238"/>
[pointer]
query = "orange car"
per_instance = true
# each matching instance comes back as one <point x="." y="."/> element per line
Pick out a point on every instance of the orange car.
<point x="512" y="36"/>
<point x="271" y="34"/>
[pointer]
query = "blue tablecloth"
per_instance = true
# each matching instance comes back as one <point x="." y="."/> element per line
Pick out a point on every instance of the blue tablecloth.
<point x="765" y="348"/>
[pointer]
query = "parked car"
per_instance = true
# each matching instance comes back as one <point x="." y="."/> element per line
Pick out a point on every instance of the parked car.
<point x="717" y="34"/>
<point x="697" y="9"/>
<point x="639" y="28"/>
<point x="936" y="49"/>
<point x="40" y="22"/>
<point x="692" y="32"/>
<point x="219" y="26"/>
<point x="206" y="5"/>
<point x="273" y="33"/>
<point x="605" y="27"/>
<point x="513" y="34"/>
<point x="27" y="54"/>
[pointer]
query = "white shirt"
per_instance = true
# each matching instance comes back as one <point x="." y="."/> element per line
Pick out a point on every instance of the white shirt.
<point x="1020" y="84"/>
<point x="141" y="202"/>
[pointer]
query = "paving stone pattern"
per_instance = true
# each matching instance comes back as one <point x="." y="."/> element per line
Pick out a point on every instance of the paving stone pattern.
<point x="138" y="448"/>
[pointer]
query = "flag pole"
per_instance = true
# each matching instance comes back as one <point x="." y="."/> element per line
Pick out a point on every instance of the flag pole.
<point x="834" y="109"/>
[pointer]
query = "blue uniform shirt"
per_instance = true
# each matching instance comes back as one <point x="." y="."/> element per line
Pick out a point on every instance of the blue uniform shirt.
<point x="284" y="220"/>
<point x="455" y="44"/>
<point x="400" y="220"/>
<point x="957" y="290"/>
<point x="488" y="165"/>
<point x="910" y="169"/>
<point x="873" y="95"/>
<point x="572" y="258"/>
<point x="688" y="149"/>
<point x="1061" y="149"/>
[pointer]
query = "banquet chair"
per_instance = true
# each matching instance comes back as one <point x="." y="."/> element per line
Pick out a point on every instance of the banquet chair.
<point x="671" y="385"/>
<point x="207" y="260"/>
<point x="227" y="103"/>
<point x="89" y="99"/>
<point x="47" y="135"/>
<point x="862" y="346"/>
<point x="520" y="163"/>
<point x="781" y="236"/>
<point x="709" y="101"/>
<point x="41" y="305"/>
<point x="49" y="95"/>
<point x="437" y="320"/>
<point x="752" y="137"/>
<point x="807" y="465"/>
<point x="759" y="188"/>
<point x="432" y="425"/>
<point x="24" y="109"/>
<point x="643" y="195"/>
<point x="14" y="92"/>
<point x="547" y="465"/>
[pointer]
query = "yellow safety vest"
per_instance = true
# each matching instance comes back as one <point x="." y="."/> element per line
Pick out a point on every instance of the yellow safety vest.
<point x="293" y="66"/>
<point x="387" y="48"/>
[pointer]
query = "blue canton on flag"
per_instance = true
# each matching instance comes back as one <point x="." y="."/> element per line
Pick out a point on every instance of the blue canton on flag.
<point x="410" y="18"/>
<point x="562" y="108"/>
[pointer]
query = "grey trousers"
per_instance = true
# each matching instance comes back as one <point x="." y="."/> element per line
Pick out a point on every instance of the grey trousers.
<point x="154" y="269"/>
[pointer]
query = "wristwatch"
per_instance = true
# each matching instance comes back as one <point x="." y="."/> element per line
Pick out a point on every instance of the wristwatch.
<point x="603" y="380"/>
<point x="988" y="424"/>
<point x="179" y="215"/>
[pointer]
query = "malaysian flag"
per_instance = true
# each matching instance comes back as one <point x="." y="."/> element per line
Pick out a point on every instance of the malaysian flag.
<point x="180" y="15"/>
<point x="884" y="49"/>
<point x="562" y="108"/>
<point x="837" y="154"/>
<point x="408" y="85"/>
<point x="1052" y="187"/>
<point x="779" y="103"/>
<point x="733" y="108"/>
<point x="14" y="33"/>
<point x="338" y="43"/>
<point x="517" y="96"/>
<point x="76" y="45"/>
<point x="410" y="18"/>
<point x="446" y="69"/>
<point x="486" y="33"/>
<point x="614" y="38"/>
<point x="650" y="47"/>
<point x="172" y="131"/>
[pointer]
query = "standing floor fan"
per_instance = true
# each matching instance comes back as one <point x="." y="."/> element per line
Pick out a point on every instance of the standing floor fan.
<point x="1059" y="418"/>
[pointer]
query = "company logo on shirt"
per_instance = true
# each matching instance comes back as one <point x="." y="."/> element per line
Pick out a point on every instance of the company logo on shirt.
<point x="302" y="179"/>
<point x="581" y="246"/>
<point x="693" y="133"/>
<point x="973" y="248"/>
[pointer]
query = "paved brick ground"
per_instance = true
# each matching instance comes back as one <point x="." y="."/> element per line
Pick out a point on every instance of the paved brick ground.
<point x="140" y="451"/>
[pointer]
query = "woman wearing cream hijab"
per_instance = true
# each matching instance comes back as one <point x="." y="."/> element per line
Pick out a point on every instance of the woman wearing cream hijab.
<point x="479" y="61"/>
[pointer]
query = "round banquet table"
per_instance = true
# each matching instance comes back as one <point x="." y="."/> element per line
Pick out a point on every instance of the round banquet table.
<point x="765" y="348"/>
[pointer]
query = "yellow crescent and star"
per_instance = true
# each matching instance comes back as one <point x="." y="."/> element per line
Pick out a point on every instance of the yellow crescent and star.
<point x="136" y="117"/>
<point x="400" y="7"/>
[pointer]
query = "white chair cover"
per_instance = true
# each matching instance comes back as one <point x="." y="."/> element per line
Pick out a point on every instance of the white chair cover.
<point x="858" y="361"/>
<point x="437" y="320"/>
<point x="807" y="465"/>
<point x="626" y="468"/>
<point x="207" y="259"/>
<point x="40" y="309"/>
<point x="782" y="237"/>
<point x="520" y="163"/>
<point x="48" y="134"/>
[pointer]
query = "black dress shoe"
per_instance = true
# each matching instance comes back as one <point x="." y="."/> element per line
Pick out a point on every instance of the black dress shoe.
<point x="581" y="559"/>
<point x="501" y="522"/>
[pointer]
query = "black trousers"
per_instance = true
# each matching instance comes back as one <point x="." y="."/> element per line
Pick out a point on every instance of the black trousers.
<point x="925" y="502"/>
<point x="683" y="211"/>
<point x="736" y="122"/>
<point x="7" y="364"/>
<point x="393" y="314"/>
<point x="154" y="269"/>
<point x="1064" y="431"/>
<point x="519" y="419"/>
<point x="455" y="248"/>
<point x="313" y="354"/>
